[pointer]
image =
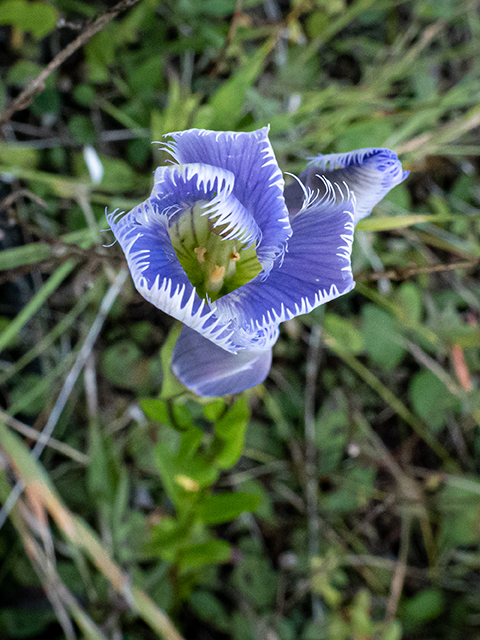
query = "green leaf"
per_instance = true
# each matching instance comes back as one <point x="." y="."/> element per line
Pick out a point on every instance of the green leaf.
<point x="191" y="440"/>
<point x="225" y="507"/>
<point x="360" y="614"/>
<point x="169" y="413"/>
<point x="124" y="366"/>
<point x="209" y="608"/>
<point x="199" y="555"/>
<point x="22" y="72"/>
<point x="383" y="341"/>
<point x="346" y="335"/>
<point x="256" y="581"/>
<point x="166" y="538"/>
<point x="182" y="475"/>
<point x="49" y="101"/>
<point x="230" y="432"/>
<point x="104" y="468"/>
<point x="36" y="17"/>
<point x="459" y="508"/>
<point x="323" y="579"/>
<point x="431" y="399"/>
<point x="197" y="469"/>
<point x="426" y="605"/>
<point x="100" y="54"/>
<point x="265" y="509"/>
<point x="84" y="94"/>
<point x="166" y="464"/>
<point x="213" y="410"/>
<point x="393" y="631"/>
<point x="171" y="386"/>
<point x="21" y="393"/>
<point x="179" y="112"/>
<point x="26" y="254"/>
<point x="82" y="129"/>
<point x="409" y="304"/>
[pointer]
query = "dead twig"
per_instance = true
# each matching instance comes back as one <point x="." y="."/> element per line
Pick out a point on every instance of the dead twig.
<point x="400" y="572"/>
<point x="311" y="481"/>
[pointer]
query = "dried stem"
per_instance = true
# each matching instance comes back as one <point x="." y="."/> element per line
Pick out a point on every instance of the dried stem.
<point x="311" y="483"/>
<point x="32" y="433"/>
<point x="398" y="578"/>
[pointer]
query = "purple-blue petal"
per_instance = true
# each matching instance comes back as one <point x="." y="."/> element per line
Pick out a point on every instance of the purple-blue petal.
<point x="158" y="275"/>
<point x="180" y="187"/>
<point x="369" y="173"/>
<point x="316" y="269"/>
<point x="209" y="370"/>
<point x="259" y="183"/>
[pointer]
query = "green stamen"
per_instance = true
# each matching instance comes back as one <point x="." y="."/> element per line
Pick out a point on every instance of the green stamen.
<point x="215" y="266"/>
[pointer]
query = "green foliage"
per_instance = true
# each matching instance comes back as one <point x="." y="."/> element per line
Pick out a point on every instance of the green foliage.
<point x="225" y="507"/>
<point x="36" y="17"/>
<point x="209" y="508"/>
<point x="431" y="400"/>
<point x="189" y="462"/>
<point x="426" y="605"/>
<point x="383" y="342"/>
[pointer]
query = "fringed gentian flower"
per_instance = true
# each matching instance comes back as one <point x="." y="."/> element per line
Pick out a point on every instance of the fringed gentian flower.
<point x="221" y="246"/>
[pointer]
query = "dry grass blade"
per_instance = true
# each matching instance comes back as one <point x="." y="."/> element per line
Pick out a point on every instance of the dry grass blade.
<point x="397" y="405"/>
<point x="311" y="482"/>
<point x="70" y="381"/>
<point x="79" y="534"/>
<point x="32" y="433"/>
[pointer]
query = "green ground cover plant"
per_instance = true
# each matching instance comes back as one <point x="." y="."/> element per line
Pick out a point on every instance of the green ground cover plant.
<point x="341" y="498"/>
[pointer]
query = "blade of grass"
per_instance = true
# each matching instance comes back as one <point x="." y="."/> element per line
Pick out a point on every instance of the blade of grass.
<point x="47" y="341"/>
<point x="70" y="381"/>
<point x="398" y="222"/>
<point x="36" y="302"/>
<point x="41" y="388"/>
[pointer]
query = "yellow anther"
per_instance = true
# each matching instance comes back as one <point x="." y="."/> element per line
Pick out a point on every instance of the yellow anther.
<point x="217" y="274"/>
<point x="187" y="483"/>
<point x="200" y="251"/>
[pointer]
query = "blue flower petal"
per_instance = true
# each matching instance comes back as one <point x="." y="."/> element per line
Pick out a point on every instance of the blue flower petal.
<point x="179" y="187"/>
<point x="316" y="269"/>
<point x="369" y="173"/>
<point x="158" y="274"/>
<point x="258" y="184"/>
<point x="208" y="370"/>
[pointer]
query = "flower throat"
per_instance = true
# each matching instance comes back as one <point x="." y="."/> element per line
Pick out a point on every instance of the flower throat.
<point x="214" y="265"/>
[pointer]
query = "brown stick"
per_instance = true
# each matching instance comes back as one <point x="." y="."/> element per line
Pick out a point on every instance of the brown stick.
<point x="408" y="272"/>
<point x="38" y="84"/>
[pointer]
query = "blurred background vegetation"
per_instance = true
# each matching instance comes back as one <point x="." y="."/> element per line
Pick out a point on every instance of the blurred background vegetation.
<point x="341" y="499"/>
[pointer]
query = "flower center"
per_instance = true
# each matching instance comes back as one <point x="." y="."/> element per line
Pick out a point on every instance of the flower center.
<point x="214" y="265"/>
